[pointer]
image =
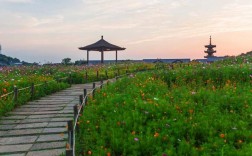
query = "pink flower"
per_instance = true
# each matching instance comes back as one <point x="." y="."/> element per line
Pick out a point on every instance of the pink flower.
<point x="136" y="139"/>
<point x="193" y="93"/>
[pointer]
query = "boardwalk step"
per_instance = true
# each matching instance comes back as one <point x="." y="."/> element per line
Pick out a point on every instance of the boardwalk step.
<point x="39" y="128"/>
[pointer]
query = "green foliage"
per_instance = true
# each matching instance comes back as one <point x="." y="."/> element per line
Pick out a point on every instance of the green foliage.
<point x="8" y="103"/>
<point x="49" y="79"/>
<point x="8" y="60"/>
<point x="195" y="109"/>
<point x="80" y="62"/>
<point x="66" y="61"/>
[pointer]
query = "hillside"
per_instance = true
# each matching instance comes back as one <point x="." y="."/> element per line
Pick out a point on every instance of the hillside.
<point x="7" y="60"/>
<point x="246" y="54"/>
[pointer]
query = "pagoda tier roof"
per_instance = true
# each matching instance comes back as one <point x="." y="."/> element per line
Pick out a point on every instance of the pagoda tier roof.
<point x="210" y="51"/>
<point x="210" y="46"/>
<point x="102" y="45"/>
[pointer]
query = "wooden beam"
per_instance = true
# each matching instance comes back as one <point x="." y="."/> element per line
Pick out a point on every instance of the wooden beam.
<point x="116" y="56"/>
<point x="87" y="56"/>
<point x="102" y="56"/>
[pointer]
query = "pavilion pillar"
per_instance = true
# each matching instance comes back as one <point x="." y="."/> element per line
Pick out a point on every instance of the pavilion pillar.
<point x="102" y="56"/>
<point x="116" y="56"/>
<point x="87" y="56"/>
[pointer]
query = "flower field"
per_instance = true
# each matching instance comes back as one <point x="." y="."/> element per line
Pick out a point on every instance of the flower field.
<point x="49" y="79"/>
<point x="195" y="109"/>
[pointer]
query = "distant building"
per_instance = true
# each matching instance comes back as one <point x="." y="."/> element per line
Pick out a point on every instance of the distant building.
<point x="184" y="60"/>
<point x="210" y="51"/>
<point x="201" y="60"/>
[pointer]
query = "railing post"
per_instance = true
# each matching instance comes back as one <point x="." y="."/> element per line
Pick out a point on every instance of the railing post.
<point x="70" y="79"/>
<point x="106" y="73"/>
<point x="85" y="92"/>
<point x="81" y="99"/>
<point x="32" y="91"/>
<point x="86" y="100"/>
<point x="93" y="93"/>
<point x="86" y="76"/>
<point x="101" y="84"/>
<point x="76" y="109"/>
<point x="97" y="74"/>
<point x="69" y="150"/>
<point x="75" y="112"/>
<point x="15" y="93"/>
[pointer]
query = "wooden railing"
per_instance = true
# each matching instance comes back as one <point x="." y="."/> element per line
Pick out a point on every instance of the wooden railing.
<point x="16" y="90"/>
<point x="73" y="126"/>
<point x="69" y="79"/>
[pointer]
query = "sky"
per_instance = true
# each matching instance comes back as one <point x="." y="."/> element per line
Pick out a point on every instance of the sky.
<point x="49" y="30"/>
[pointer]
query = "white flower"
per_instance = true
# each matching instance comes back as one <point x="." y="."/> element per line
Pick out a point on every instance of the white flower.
<point x="234" y="128"/>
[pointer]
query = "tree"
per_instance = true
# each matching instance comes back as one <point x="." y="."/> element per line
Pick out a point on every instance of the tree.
<point x="80" y="62"/>
<point x="66" y="61"/>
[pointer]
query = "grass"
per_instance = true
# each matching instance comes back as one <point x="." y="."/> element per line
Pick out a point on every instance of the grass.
<point x="51" y="79"/>
<point x="193" y="110"/>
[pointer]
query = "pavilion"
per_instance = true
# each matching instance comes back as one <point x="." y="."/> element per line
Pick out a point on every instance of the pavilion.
<point x="101" y="46"/>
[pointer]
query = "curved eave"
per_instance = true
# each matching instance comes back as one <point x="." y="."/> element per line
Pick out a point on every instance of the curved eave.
<point x="210" y="51"/>
<point x="101" y="45"/>
<point x="101" y="49"/>
<point x="210" y="46"/>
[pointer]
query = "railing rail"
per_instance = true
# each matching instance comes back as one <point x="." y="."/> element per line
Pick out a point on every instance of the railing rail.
<point x="78" y="109"/>
<point x="30" y="87"/>
<point x="4" y="95"/>
<point x="16" y="90"/>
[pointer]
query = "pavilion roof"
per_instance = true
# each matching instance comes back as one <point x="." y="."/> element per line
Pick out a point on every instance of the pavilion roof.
<point x="101" y="45"/>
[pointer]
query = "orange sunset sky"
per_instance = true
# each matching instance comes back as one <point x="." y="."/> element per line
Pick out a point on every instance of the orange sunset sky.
<point x="50" y="30"/>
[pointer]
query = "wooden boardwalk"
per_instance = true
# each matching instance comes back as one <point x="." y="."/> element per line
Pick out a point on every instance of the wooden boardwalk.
<point x="39" y="127"/>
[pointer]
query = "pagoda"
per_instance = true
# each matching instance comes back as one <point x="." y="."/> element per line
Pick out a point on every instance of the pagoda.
<point x="210" y="49"/>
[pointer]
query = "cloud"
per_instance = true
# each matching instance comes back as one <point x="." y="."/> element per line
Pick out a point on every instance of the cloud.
<point x="233" y="17"/>
<point x="18" y="1"/>
<point x="43" y="23"/>
<point x="35" y="22"/>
